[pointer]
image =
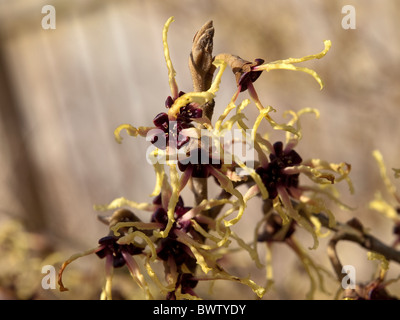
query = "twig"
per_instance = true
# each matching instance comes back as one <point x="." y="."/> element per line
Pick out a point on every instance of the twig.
<point x="354" y="231"/>
<point x="202" y="70"/>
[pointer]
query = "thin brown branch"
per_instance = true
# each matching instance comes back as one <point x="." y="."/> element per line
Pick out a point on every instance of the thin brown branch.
<point x="353" y="231"/>
<point x="202" y="70"/>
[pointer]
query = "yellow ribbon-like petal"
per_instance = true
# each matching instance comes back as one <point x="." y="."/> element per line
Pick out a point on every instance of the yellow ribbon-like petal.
<point x="171" y="70"/>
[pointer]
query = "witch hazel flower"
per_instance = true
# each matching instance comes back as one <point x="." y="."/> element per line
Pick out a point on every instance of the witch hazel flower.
<point x="247" y="72"/>
<point x="172" y="128"/>
<point x="273" y="174"/>
<point x="115" y="253"/>
<point x="178" y="241"/>
<point x="183" y="108"/>
<point x="280" y="166"/>
<point x="277" y="175"/>
<point x="280" y="176"/>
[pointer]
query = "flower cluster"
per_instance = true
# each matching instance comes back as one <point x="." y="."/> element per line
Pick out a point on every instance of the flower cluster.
<point x="190" y="240"/>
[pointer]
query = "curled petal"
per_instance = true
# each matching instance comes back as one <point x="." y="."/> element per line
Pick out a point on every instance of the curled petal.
<point x="137" y="225"/>
<point x="185" y="239"/>
<point x="380" y="205"/>
<point x="219" y="242"/>
<point x="203" y="232"/>
<point x="185" y="178"/>
<point x="284" y="196"/>
<point x="192" y="244"/>
<point x="309" y="266"/>
<point x="136" y="274"/>
<point x="237" y="118"/>
<point x="317" y="224"/>
<point x="257" y="179"/>
<point x="252" y="251"/>
<point x="227" y="185"/>
<point x="261" y="144"/>
<point x="106" y="294"/>
<point x="287" y="66"/>
<point x="314" y="174"/>
<point x="251" y="193"/>
<point x="172" y="201"/>
<point x="376" y="256"/>
<point x="171" y="70"/>
<point x="203" y="206"/>
<point x="215" y="85"/>
<point x="342" y="169"/>
<point x="160" y="174"/>
<point x="200" y="260"/>
<point x="199" y="98"/>
<point x="316" y="205"/>
<point x="328" y="192"/>
<point x="269" y="272"/>
<point x="264" y="113"/>
<point x="222" y="117"/>
<point x="288" y="63"/>
<point x="121" y="202"/>
<point x="223" y="275"/>
<point x="243" y="105"/>
<point x="129" y="238"/>
<point x="67" y="262"/>
<point x="223" y="231"/>
<point x="239" y="110"/>
<point x="156" y="280"/>
<point x="327" y="44"/>
<point x="220" y="223"/>
<point x="166" y="192"/>
<point x="295" y="121"/>
<point x="382" y="168"/>
<point x="278" y="207"/>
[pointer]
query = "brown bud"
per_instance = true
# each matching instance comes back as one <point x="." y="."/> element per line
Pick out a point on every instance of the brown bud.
<point x="356" y="224"/>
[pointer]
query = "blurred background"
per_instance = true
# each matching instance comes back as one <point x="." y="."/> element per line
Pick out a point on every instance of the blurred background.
<point x="64" y="91"/>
